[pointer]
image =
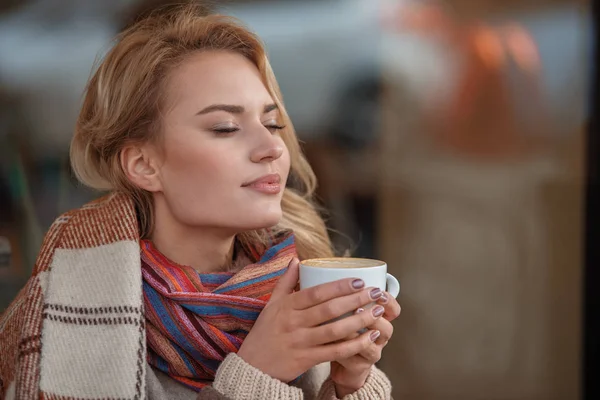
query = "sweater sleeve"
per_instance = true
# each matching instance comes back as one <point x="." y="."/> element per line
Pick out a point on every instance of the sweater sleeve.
<point x="238" y="380"/>
<point x="377" y="387"/>
<point x="210" y="393"/>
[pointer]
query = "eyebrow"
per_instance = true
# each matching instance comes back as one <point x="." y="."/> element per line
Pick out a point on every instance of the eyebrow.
<point x="233" y="109"/>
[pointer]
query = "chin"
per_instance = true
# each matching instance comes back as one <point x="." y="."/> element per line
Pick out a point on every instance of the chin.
<point x="265" y="220"/>
<point x="269" y="222"/>
<point x="258" y="215"/>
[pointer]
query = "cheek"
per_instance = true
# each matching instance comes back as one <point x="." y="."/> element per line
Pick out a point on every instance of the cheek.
<point x="192" y="170"/>
<point x="285" y="163"/>
<point x="199" y="189"/>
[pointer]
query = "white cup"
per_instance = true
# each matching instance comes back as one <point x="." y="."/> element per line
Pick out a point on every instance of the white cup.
<point x="317" y="271"/>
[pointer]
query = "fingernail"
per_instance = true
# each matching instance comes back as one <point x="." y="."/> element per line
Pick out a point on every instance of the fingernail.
<point x="378" y="311"/>
<point x="358" y="284"/>
<point x="383" y="299"/>
<point x="375" y="335"/>
<point x="359" y="311"/>
<point x="376" y="293"/>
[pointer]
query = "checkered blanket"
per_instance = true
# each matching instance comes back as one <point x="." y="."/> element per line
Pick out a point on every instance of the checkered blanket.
<point x="81" y="308"/>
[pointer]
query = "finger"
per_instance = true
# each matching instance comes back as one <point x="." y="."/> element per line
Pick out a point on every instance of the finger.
<point x="355" y="363"/>
<point x="343" y="328"/>
<point x="287" y="283"/>
<point x="315" y="295"/>
<point x="345" y="349"/>
<point x="392" y="307"/>
<point x="385" y="327"/>
<point x="372" y="354"/>
<point x="340" y="306"/>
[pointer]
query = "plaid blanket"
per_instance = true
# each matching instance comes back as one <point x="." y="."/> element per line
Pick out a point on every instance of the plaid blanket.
<point x="81" y="308"/>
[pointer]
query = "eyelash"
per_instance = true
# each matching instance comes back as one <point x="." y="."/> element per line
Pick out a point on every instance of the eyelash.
<point x="226" y="131"/>
<point x="275" y="128"/>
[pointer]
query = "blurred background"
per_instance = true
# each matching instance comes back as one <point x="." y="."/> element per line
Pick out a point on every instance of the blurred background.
<point x="448" y="138"/>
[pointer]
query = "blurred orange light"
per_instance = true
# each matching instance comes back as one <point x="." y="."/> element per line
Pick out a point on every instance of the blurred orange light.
<point x="523" y="48"/>
<point x="488" y="46"/>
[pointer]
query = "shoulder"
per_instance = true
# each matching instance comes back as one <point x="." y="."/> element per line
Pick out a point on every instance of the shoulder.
<point x="106" y="220"/>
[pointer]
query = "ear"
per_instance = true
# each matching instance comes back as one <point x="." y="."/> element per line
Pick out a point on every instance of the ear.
<point x="141" y="167"/>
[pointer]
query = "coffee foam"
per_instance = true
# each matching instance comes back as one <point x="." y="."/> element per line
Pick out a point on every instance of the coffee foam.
<point x="342" y="262"/>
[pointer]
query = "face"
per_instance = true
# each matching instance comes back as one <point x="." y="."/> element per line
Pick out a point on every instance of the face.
<point x="222" y="162"/>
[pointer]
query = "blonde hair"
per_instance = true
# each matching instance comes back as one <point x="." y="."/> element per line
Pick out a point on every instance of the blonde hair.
<point x="122" y="101"/>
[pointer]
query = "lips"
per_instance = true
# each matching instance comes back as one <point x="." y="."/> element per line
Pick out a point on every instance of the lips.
<point x="268" y="179"/>
<point x="269" y="184"/>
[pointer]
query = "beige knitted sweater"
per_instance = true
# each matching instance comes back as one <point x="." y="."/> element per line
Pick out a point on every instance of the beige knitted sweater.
<point x="77" y="329"/>
<point x="238" y="380"/>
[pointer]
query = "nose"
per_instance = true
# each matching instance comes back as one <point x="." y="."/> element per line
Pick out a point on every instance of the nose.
<point x="269" y="149"/>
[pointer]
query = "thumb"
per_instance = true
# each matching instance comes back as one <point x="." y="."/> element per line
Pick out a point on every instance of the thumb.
<point x="288" y="282"/>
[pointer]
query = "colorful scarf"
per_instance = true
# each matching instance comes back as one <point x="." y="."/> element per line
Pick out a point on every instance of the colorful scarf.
<point x="194" y="320"/>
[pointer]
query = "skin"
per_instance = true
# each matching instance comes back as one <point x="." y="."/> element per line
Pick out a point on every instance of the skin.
<point x="220" y="130"/>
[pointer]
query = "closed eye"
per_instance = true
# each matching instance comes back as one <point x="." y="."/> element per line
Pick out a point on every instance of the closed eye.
<point x="225" y="130"/>
<point x="274" y="127"/>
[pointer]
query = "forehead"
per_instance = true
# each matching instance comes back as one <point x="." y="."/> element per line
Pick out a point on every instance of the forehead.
<point x="210" y="77"/>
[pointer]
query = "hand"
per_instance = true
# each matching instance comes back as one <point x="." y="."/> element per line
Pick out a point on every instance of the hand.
<point x="350" y="374"/>
<point x="288" y="338"/>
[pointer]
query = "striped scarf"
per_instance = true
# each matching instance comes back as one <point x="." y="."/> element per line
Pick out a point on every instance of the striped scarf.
<point x="194" y="320"/>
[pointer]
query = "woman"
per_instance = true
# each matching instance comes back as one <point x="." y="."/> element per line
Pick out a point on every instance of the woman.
<point x="180" y="284"/>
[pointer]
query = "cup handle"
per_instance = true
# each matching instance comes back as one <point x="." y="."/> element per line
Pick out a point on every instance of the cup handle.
<point x="393" y="286"/>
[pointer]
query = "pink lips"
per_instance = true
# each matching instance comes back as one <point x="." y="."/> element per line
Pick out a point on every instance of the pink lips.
<point x="269" y="184"/>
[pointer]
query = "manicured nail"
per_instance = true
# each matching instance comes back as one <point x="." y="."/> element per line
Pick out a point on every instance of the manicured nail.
<point x="375" y="335"/>
<point x="383" y="299"/>
<point x="358" y="284"/>
<point x="359" y="311"/>
<point x="376" y="293"/>
<point x="378" y="311"/>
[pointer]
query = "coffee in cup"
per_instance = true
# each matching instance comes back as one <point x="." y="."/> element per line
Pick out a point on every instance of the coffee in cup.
<point x="317" y="271"/>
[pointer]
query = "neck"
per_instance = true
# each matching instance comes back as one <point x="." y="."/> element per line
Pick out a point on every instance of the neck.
<point x="204" y="249"/>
